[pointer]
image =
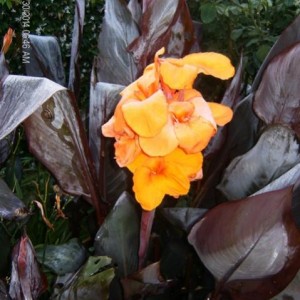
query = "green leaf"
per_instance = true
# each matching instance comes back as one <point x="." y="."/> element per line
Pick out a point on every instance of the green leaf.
<point x="118" y="236"/>
<point x="236" y="33"/>
<point x="208" y="13"/>
<point x="262" y="51"/>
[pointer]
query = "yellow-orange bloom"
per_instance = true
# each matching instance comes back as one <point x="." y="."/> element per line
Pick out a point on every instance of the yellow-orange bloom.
<point x="162" y="124"/>
<point x="155" y="177"/>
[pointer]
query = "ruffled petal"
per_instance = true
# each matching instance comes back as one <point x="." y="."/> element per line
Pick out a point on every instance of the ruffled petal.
<point x="108" y="128"/>
<point x="211" y="63"/>
<point x="148" y="187"/>
<point x="138" y="161"/>
<point x="194" y="135"/>
<point x="203" y="110"/>
<point x="161" y="144"/>
<point x="147" y="117"/>
<point x="126" y="150"/>
<point x="188" y="164"/>
<point x="221" y="113"/>
<point x="176" y="74"/>
<point x="181" y="111"/>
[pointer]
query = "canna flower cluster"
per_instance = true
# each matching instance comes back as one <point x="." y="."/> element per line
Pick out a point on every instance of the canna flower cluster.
<point x="162" y="124"/>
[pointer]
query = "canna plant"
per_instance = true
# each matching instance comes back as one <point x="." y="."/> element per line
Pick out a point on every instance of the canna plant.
<point x="232" y="233"/>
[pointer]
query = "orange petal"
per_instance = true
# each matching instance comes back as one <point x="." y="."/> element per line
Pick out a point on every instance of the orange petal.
<point x="190" y="93"/>
<point x="211" y="63"/>
<point x="178" y="75"/>
<point x="126" y="150"/>
<point x="189" y="164"/>
<point x="148" y="188"/>
<point x="203" y="110"/>
<point x="162" y="143"/>
<point x="108" y="128"/>
<point x="181" y="111"/>
<point x="194" y="135"/>
<point x="7" y="40"/>
<point x="147" y="117"/>
<point x="154" y="179"/>
<point x="221" y="113"/>
<point x="138" y="161"/>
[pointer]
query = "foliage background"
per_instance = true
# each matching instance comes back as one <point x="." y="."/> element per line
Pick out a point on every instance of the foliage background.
<point x="229" y="27"/>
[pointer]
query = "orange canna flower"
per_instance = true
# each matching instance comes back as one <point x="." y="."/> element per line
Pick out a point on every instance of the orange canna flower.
<point x="162" y="124"/>
<point x="7" y="40"/>
<point x="155" y="177"/>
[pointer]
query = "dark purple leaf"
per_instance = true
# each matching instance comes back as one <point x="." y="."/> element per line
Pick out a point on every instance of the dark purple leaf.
<point x="148" y="281"/>
<point x="27" y="282"/>
<point x="292" y="291"/>
<point x="74" y="73"/>
<point x="11" y="207"/>
<point x="197" y="36"/>
<point x="54" y="132"/>
<point x="3" y="70"/>
<point x="115" y="64"/>
<point x="118" y="236"/>
<point x="241" y="136"/>
<point x="63" y="258"/>
<point x="45" y="59"/>
<point x="182" y="33"/>
<point x="289" y="37"/>
<point x="231" y="98"/>
<point x="6" y="146"/>
<point x="277" y="99"/>
<point x="156" y="26"/>
<point x="5" y="143"/>
<point x="112" y="179"/>
<point x="183" y="217"/>
<point x="276" y="151"/>
<point x="92" y="281"/>
<point x="251" y="246"/>
<point x="135" y="9"/>
<point x="285" y="180"/>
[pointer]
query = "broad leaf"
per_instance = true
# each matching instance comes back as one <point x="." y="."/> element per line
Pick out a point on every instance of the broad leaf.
<point x="11" y="207"/>
<point x="292" y="291"/>
<point x="146" y="282"/>
<point x="156" y="24"/>
<point x="64" y="258"/>
<point x="3" y="71"/>
<point x="54" y="132"/>
<point x="183" y="217"/>
<point x="251" y="246"/>
<point x="91" y="282"/>
<point x="112" y="179"/>
<point x="27" y="282"/>
<point x="289" y="37"/>
<point x="231" y="98"/>
<point x="6" y="143"/>
<point x="241" y="136"/>
<point x="74" y="73"/>
<point x="40" y="65"/>
<point x="182" y="33"/>
<point x="276" y="151"/>
<point x="118" y="236"/>
<point x="135" y="9"/>
<point x="277" y="97"/>
<point x="285" y="180"/>
<point x="114" y="63"/>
